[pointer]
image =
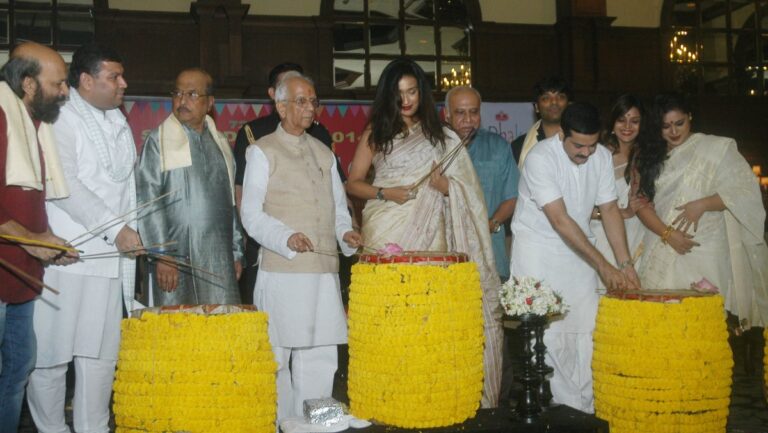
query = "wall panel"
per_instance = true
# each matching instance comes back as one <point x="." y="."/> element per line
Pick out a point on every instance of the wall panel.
<point x="155" y="46"/>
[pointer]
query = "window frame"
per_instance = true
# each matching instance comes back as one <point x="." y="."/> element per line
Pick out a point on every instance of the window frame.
<point x="735" y="81"/>
<point x="366" y="21"/>
<point x="12" y="7"/>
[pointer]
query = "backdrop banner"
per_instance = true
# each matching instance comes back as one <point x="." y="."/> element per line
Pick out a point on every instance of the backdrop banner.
<point x="345" y="120"/>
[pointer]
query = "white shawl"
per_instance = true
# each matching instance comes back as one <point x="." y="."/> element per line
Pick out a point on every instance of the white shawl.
<point x="173" y="145"/>
<point x="22" y="165"/>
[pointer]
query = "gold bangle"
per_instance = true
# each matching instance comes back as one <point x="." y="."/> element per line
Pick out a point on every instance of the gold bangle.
<point x="667" y="233"/>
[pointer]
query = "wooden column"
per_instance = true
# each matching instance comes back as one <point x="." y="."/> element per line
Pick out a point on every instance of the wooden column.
<point x="221" y="42"/>
<point x="581" y="26"/>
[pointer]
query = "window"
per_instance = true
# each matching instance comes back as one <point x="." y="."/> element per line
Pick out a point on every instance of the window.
<point x="720" y="46"/>
<point x="62" y="24"/>
<point x="368" y="34"/>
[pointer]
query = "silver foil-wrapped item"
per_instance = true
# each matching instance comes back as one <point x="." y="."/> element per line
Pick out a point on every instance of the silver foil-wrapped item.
<point x="323" y="411"/>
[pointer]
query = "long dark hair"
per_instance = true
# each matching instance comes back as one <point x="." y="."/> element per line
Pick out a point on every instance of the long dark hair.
<point x="621" y="107"/>
<point x="387" y="122"/>
<point x="653" y="151"/>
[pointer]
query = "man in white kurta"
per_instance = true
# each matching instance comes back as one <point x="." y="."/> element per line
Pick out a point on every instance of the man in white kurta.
<point x="563" y="178"/>
<point x="294" y="205"/>
<point x="83" y="322"/>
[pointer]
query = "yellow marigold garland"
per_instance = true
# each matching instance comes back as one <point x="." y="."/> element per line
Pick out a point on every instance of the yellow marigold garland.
<point x="662" y="367"/>
<point x="765" y="361"/>
<point x="415" y="344"/>
<point x="195" y="373"/>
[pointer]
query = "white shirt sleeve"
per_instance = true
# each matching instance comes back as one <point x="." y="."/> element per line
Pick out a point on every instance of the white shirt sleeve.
<point x="540" y="176"/>
<point x="270" y="232"/>
<point x="82" y="205"/>
<point x="343" y="219"/>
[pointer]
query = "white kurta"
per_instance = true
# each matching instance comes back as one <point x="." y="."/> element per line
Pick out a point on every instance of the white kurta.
<point x="305" y="309"/>
<point x="87" y="318"/>
<point x="539" y="251"/>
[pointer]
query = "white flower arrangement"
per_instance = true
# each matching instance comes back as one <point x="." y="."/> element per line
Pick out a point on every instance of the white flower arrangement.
<point x="528" y="295"/>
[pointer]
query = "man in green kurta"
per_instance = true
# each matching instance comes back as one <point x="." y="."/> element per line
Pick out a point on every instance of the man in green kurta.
<point x="188" y="157"/>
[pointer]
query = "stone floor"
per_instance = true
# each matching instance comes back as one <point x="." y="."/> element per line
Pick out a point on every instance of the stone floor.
<point x="748" y="412"/>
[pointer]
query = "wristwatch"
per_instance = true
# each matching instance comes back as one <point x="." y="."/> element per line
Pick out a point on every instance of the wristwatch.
<point x="380" y="194"/>
<point x="497" y="226"/>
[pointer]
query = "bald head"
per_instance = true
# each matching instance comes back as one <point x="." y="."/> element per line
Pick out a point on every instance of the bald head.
<point x="36" y="51"/>
<point x="462" y="109"/>
<point x="38" y="76"/>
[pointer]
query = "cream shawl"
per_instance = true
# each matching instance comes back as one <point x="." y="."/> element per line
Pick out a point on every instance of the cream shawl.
<point x="174" y="147"/>
<point x="22" y="165"/>
<point x="531" y="138"/>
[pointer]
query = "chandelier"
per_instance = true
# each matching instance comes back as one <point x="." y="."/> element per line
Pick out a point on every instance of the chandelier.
<point x="462" y="77"/>
<point x="679" y="51"/>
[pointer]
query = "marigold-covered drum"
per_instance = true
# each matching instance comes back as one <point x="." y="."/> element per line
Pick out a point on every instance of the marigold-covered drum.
<point x="765" y="363"/>
<point x="662" y="362"/>
<point x="195" y="369"/>
<point x="415" y="339"/>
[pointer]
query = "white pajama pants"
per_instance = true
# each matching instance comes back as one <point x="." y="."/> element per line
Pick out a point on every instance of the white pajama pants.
<point x="570" y="354"/>
<point x="47" y="390"/>
<point x="303" y="373"/>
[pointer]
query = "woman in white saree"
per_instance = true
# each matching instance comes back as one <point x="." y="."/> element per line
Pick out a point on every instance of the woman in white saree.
<point x="403" y="141"/>
<point x="706" y="219"/>
<point x="628" y="117"/>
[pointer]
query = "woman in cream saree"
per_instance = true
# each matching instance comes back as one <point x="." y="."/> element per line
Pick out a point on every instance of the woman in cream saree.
<point x="709" y="217"/>
<point x="445" y="213"/>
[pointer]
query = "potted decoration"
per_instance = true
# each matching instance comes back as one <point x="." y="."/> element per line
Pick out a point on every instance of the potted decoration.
<point x="532" y="302"/>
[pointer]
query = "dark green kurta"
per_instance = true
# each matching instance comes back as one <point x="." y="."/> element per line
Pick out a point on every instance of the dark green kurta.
<point x="199" y="216"/>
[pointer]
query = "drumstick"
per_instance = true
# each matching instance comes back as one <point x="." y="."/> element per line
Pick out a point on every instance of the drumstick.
<point x="465" y="141"/>
<point x="170" y="260"/>
<point x="448" y="157"/>
<point x="438" y="165"/>
<point x="325" y="253"/>
<point x="26" y="276"/>
<point x="27" y="241"/>
<point x="116" y="220"/>
<point x="152" y="248"/>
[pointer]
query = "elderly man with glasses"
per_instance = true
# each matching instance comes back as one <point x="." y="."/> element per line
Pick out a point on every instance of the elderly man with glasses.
<point x="187" y="158"/>
<point x="295" y="207"/>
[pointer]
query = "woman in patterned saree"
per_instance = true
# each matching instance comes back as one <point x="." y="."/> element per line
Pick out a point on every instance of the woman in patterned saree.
<point x="707" y="217"/>
<point x="403" y="141"/>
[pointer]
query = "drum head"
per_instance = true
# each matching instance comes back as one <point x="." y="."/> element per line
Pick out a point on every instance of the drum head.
<point x="416" y="258"/>
<point x="657" y="295"/>
<point x="205" y="310"/>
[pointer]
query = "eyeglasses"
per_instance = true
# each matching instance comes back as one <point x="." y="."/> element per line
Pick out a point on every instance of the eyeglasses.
<point x="191" y="95"/>
<point x="303" y="102"/>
